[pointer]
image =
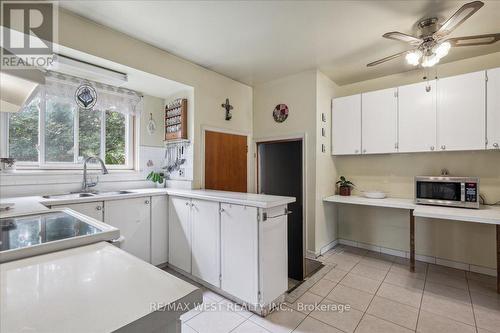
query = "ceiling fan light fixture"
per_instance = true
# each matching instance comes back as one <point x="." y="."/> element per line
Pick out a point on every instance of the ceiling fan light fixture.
<point x="442" y="49"/>
<point x="430" y="60"/>
<point x="413" y="57"/>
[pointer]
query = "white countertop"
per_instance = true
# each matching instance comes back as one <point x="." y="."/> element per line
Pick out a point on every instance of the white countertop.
<point x="485" y="214"/>
<point x="94" y="288"/>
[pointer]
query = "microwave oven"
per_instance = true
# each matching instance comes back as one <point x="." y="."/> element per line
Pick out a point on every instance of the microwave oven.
<point x="447" y="191"/>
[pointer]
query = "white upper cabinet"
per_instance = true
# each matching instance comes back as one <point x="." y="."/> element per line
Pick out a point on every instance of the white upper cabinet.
<point x="179" y="233"/>
<point x="379" y="121"/>
<point x="346" y="125"/>
<point x="417" y="117"/>
<point x="461" y="109"/>
<point x="205" y="241"/>
<point x="493" y="107"/>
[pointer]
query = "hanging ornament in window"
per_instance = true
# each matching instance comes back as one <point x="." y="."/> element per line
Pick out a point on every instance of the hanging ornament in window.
<point x="151" y="125"/>
<point x="86" y="97"/>
<point x="280" y="113"/>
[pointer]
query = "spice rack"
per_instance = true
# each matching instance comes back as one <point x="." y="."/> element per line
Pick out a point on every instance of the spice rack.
<point x="176" y="120"/>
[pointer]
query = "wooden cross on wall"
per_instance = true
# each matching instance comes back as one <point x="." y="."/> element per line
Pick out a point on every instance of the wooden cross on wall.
<point x="228" y="107"/>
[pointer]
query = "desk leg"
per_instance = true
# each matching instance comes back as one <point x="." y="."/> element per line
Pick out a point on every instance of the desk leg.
<point x="412" y="241"/>
<point x="498" y="258"/>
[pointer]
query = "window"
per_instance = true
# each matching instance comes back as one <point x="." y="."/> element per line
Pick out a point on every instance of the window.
<point x="57" y="134"/>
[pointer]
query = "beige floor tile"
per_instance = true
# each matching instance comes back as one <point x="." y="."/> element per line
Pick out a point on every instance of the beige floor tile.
<point x="485" y="301"/>
<point x="448" y="307"/>
<point x="282" y="321"/>
<point x="220" y="321"/>
<point x="355" y="298"/>
<point x="207" y="302"/>
<point x="482" y="330"/>
<point x="446" y="270"/>
<point x="345" y="321"/>
<point x="448" y="280"/>
<point x="487" y="319"/>
<point x="355" y="250"/>
<point x="405" y="281"/>
<point x="381" y="256"/>
<point x="450" y="293"/>
<point x="431" y="323"/>
<point x="322" y="287"/>
<point x="229" y="305"/>
<point x="342" y="263"/>
<point x="335" y="275"/>
<point x="369" y="272"/>
<point x="371" y="324"/>
<point x="249" y="327"/>
<point x="377" y="263"/>
<point x="306" y="302"/>
<point x="401" y="314"/>
<point x="186" y="329"/>
<point x="361" y="283"/>
<point x="212" y="295"/>
<point x="311" y="325"/>
<point x="484" y="287"/>
<point x="408" y="296"/>
<point x="420" y="271"/>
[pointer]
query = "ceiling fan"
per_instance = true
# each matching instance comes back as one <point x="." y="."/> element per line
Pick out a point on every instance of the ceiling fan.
<point x="432" y="44"/>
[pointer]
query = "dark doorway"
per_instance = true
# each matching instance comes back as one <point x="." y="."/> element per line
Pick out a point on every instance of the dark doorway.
<point x="280" y="173"/>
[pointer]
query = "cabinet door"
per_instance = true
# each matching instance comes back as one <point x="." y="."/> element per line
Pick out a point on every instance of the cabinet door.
<point x="417" y="117"/>
<point x="133" y="218"/>
<point x="205" y="244"/>
<point x="179" y="233"/>
<point x="239" y="251"/>
<point x="159" y="230"/>
<point x="379" y="121"/>
<point x="346" y="125"/>
<point x="461" y="109"/>
<point x="91" y="209"/>
<point x="493" y="107"/>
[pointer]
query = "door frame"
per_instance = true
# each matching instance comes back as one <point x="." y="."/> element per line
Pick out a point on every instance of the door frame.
<point x="204" y="129"/>
<point x="286" y="138"/>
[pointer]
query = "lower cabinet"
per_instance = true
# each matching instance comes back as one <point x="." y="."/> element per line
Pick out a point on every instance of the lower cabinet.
<point x="133" y="218"/>
<point x="159" y="229"/>
<point x="239" y="252"/>
<point x="90" y="209"/>
<point x="179" y="233"/>
<point x="205" y="243"/>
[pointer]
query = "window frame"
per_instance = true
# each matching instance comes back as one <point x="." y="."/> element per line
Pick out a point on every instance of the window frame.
<point x="41" y="164"/>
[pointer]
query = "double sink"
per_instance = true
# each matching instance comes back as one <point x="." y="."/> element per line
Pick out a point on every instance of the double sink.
<point x="68" y="196"/>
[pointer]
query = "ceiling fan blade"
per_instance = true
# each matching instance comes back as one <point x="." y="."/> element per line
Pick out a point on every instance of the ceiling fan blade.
<point x="402" y="37"/>
<point x="394" y="56"/>
<point x="474" y="40"/>
<point x="458" y="18"/>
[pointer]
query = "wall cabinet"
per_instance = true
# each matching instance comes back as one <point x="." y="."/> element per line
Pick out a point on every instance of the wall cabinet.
<point x="91" y="209"/>
<point x="159" y="229"/>
<point x="417" y="117"/>
<point x="379" y="121"/>
<point x="461" y="110"/>
<point x="133" y="218"/>
<point x="493" y="109"/>
<point x="179" y="233"/>
<point x="239" y="239"/>
<point x="346" y="125"/>
<point x="205" y="242"/>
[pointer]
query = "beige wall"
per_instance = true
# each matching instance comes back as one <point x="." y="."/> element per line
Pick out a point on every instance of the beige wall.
<point x="458" y="241"/>
<point x="210" y="89"/>
<point x="155" y="106"/>
<point x="299" y="93"/>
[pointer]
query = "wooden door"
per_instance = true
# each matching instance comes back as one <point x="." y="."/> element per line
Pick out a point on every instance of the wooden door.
<point x="225" y="162"/>
<point x="380" y="121"/>
<point x="461" y="109"/>
<point x="417" y="117"/>
<point x="493" y="117"/>
<point x="346" y="125"/>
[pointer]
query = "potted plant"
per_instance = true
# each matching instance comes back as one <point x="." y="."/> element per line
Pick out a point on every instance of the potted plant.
<point x="345" y="186"/>
<point x="156" y="177"/>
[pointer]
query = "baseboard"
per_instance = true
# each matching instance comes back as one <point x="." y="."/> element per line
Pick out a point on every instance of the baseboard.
<point x="427" y="259"/>
<point x="313" y="255"/>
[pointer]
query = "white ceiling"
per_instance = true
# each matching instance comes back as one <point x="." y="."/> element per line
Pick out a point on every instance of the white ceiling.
<point x="258" y="41"/>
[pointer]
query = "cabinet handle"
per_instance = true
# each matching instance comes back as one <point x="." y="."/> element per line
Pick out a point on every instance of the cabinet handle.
<point x="443" y="147"/>
<point x="98" y="208"/>
<point x="364" y="151"/>
<point x="495" y="145"/>
<point x="187" y="203"/>
<point x="221" y="210"/>
<point x="146" y="202"/>
<point x="432" y="148"/>
<point x="356" y="151"/>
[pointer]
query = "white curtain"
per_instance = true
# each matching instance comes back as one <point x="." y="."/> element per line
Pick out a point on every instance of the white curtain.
<point x="62" y="87"/>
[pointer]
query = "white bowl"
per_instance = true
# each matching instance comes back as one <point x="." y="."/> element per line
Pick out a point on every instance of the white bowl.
<point x="374" y="194"/>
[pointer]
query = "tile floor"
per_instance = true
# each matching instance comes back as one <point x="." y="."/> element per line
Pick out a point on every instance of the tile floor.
<point x="384" y="297"/>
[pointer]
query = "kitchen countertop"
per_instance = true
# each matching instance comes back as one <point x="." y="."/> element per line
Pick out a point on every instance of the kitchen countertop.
<point x="485" y="214"/>
<point x="93" y="288"/>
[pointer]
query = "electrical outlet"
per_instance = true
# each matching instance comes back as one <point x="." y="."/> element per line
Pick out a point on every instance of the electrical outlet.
<point x="182" y="172"/>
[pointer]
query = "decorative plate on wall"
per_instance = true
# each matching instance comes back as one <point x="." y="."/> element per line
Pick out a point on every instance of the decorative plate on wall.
<point x="280" y="113"/>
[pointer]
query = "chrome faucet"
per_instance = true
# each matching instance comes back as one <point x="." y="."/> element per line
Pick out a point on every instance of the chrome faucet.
<point x="86" y="184"/>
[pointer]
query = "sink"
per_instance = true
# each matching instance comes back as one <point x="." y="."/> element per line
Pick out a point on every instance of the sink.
<point x="113" y="193"/>
<point x="68" y="196"/>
